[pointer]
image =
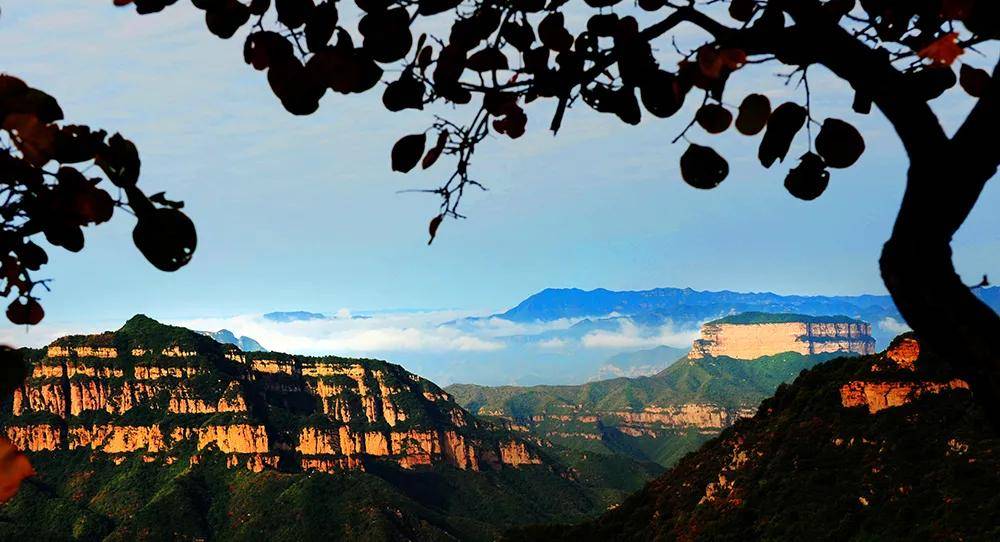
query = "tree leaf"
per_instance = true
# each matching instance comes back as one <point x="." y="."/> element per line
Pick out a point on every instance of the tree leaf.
<point x="662" y="94"/>
<point x="702" y="167"/>
<point x="839" y="143"/>
<point x="784" y="123"/>
<point x="407" y="152"/>
<point x="809" y="179"/>
<point x="26" y="312"/>
<point x="974" y="80"/>
<point x="321" y="25"/>
<point x="754" y="112"/>
<point x="293" y="13"/>
<point x="488" y="59"/>
<point x="119" y="160"/>
<point x="942" y="51"/>
<point x="226" y="18"/>
<point x="432" y="228"/>
<point x="714" y="118"/>
<point x="404" y="93"/>
<point x="742" y="10"/>
<point x="552" y="31"/>
<point x="435" y="152"/>
<point x="166" y="237"/>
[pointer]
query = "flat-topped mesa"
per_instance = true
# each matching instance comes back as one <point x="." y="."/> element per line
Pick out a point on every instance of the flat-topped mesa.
<point x="752" y="335"/>
<point x="164" y="393"/>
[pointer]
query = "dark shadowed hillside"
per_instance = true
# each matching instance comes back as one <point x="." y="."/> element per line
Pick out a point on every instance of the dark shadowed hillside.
<point x="881" y="447"/>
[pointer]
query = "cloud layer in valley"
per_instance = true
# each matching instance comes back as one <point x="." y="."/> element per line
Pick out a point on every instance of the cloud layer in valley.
<point x="631" y="336"/>
<point x="347" y="335"/>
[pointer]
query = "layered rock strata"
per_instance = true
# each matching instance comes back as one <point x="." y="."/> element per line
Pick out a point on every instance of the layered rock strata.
<point x="877" y="394"/>
<point x="765" y="335"/>
<point x="166" y="394"/>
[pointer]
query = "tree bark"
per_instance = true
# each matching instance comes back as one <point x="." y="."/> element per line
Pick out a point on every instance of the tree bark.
<point x="917" y="269"/>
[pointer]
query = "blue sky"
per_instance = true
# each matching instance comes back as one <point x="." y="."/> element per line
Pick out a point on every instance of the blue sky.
<point x="303" y="213"/>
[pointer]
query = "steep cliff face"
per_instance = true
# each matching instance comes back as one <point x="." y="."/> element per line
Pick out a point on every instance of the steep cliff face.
<point x="878" y="394"/>
<point x="752" y="335"/>
<point x="167" y="394"/>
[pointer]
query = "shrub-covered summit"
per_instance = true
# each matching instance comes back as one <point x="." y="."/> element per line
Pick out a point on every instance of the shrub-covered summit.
<point x="870" y="448"/>
<point x="745" y="318"/>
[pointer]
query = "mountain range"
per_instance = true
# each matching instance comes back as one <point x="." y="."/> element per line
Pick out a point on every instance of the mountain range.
<point x="159" y="432"/>
<point x="684" y="306"/>
<point x="293" y="316"/>
<point x="573" y="336"/>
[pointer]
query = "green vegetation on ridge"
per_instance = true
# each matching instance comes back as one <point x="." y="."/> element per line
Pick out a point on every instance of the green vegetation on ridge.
<point x="722" y="381"/>
<point x="558" y="413"/>
<point x="745" y="318"/>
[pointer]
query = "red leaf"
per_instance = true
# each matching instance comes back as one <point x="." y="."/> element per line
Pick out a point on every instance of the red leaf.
<point x="14" y="467"/>
<point x="942" y="51"/>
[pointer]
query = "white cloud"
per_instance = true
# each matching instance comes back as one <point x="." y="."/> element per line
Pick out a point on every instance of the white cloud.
<point x="495" y="326"/>
<point x="554" y="343"/>
<point x="389" y="332"/>
<point x="892" y="325"/>
<point x="630" y="335"/>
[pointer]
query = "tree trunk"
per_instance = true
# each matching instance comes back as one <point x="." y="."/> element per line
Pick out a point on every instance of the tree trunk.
<point x="917" y="269"/>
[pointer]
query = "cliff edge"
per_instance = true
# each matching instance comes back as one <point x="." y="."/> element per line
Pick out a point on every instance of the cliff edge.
<point x="751" y="335"/>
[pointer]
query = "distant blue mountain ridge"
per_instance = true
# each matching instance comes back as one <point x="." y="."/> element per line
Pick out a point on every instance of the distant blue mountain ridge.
<point x="244" y="343"/>
<point x="293" y="316"/>
<point x="685" y="307"/>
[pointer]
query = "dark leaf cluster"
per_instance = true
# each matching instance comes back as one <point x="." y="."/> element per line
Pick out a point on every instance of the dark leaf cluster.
<point x="49" y="191"/>
<point x="500" y="55"/>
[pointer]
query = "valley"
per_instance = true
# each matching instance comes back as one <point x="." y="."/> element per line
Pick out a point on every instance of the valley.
<point x="662" y="417"/>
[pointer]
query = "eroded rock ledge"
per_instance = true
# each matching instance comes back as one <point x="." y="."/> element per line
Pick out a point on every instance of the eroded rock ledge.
<point x="879" y="394"/>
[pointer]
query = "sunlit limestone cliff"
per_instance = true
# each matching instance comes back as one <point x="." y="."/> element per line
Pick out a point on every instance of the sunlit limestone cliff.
<point x="205" y="429"/>
<point x="132" y="392"/>
<point x="738" y="362"/>
<point x="751" y="335"/>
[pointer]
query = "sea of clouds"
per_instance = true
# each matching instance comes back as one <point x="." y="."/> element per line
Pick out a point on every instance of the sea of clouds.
<point x="347" y="333"/>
